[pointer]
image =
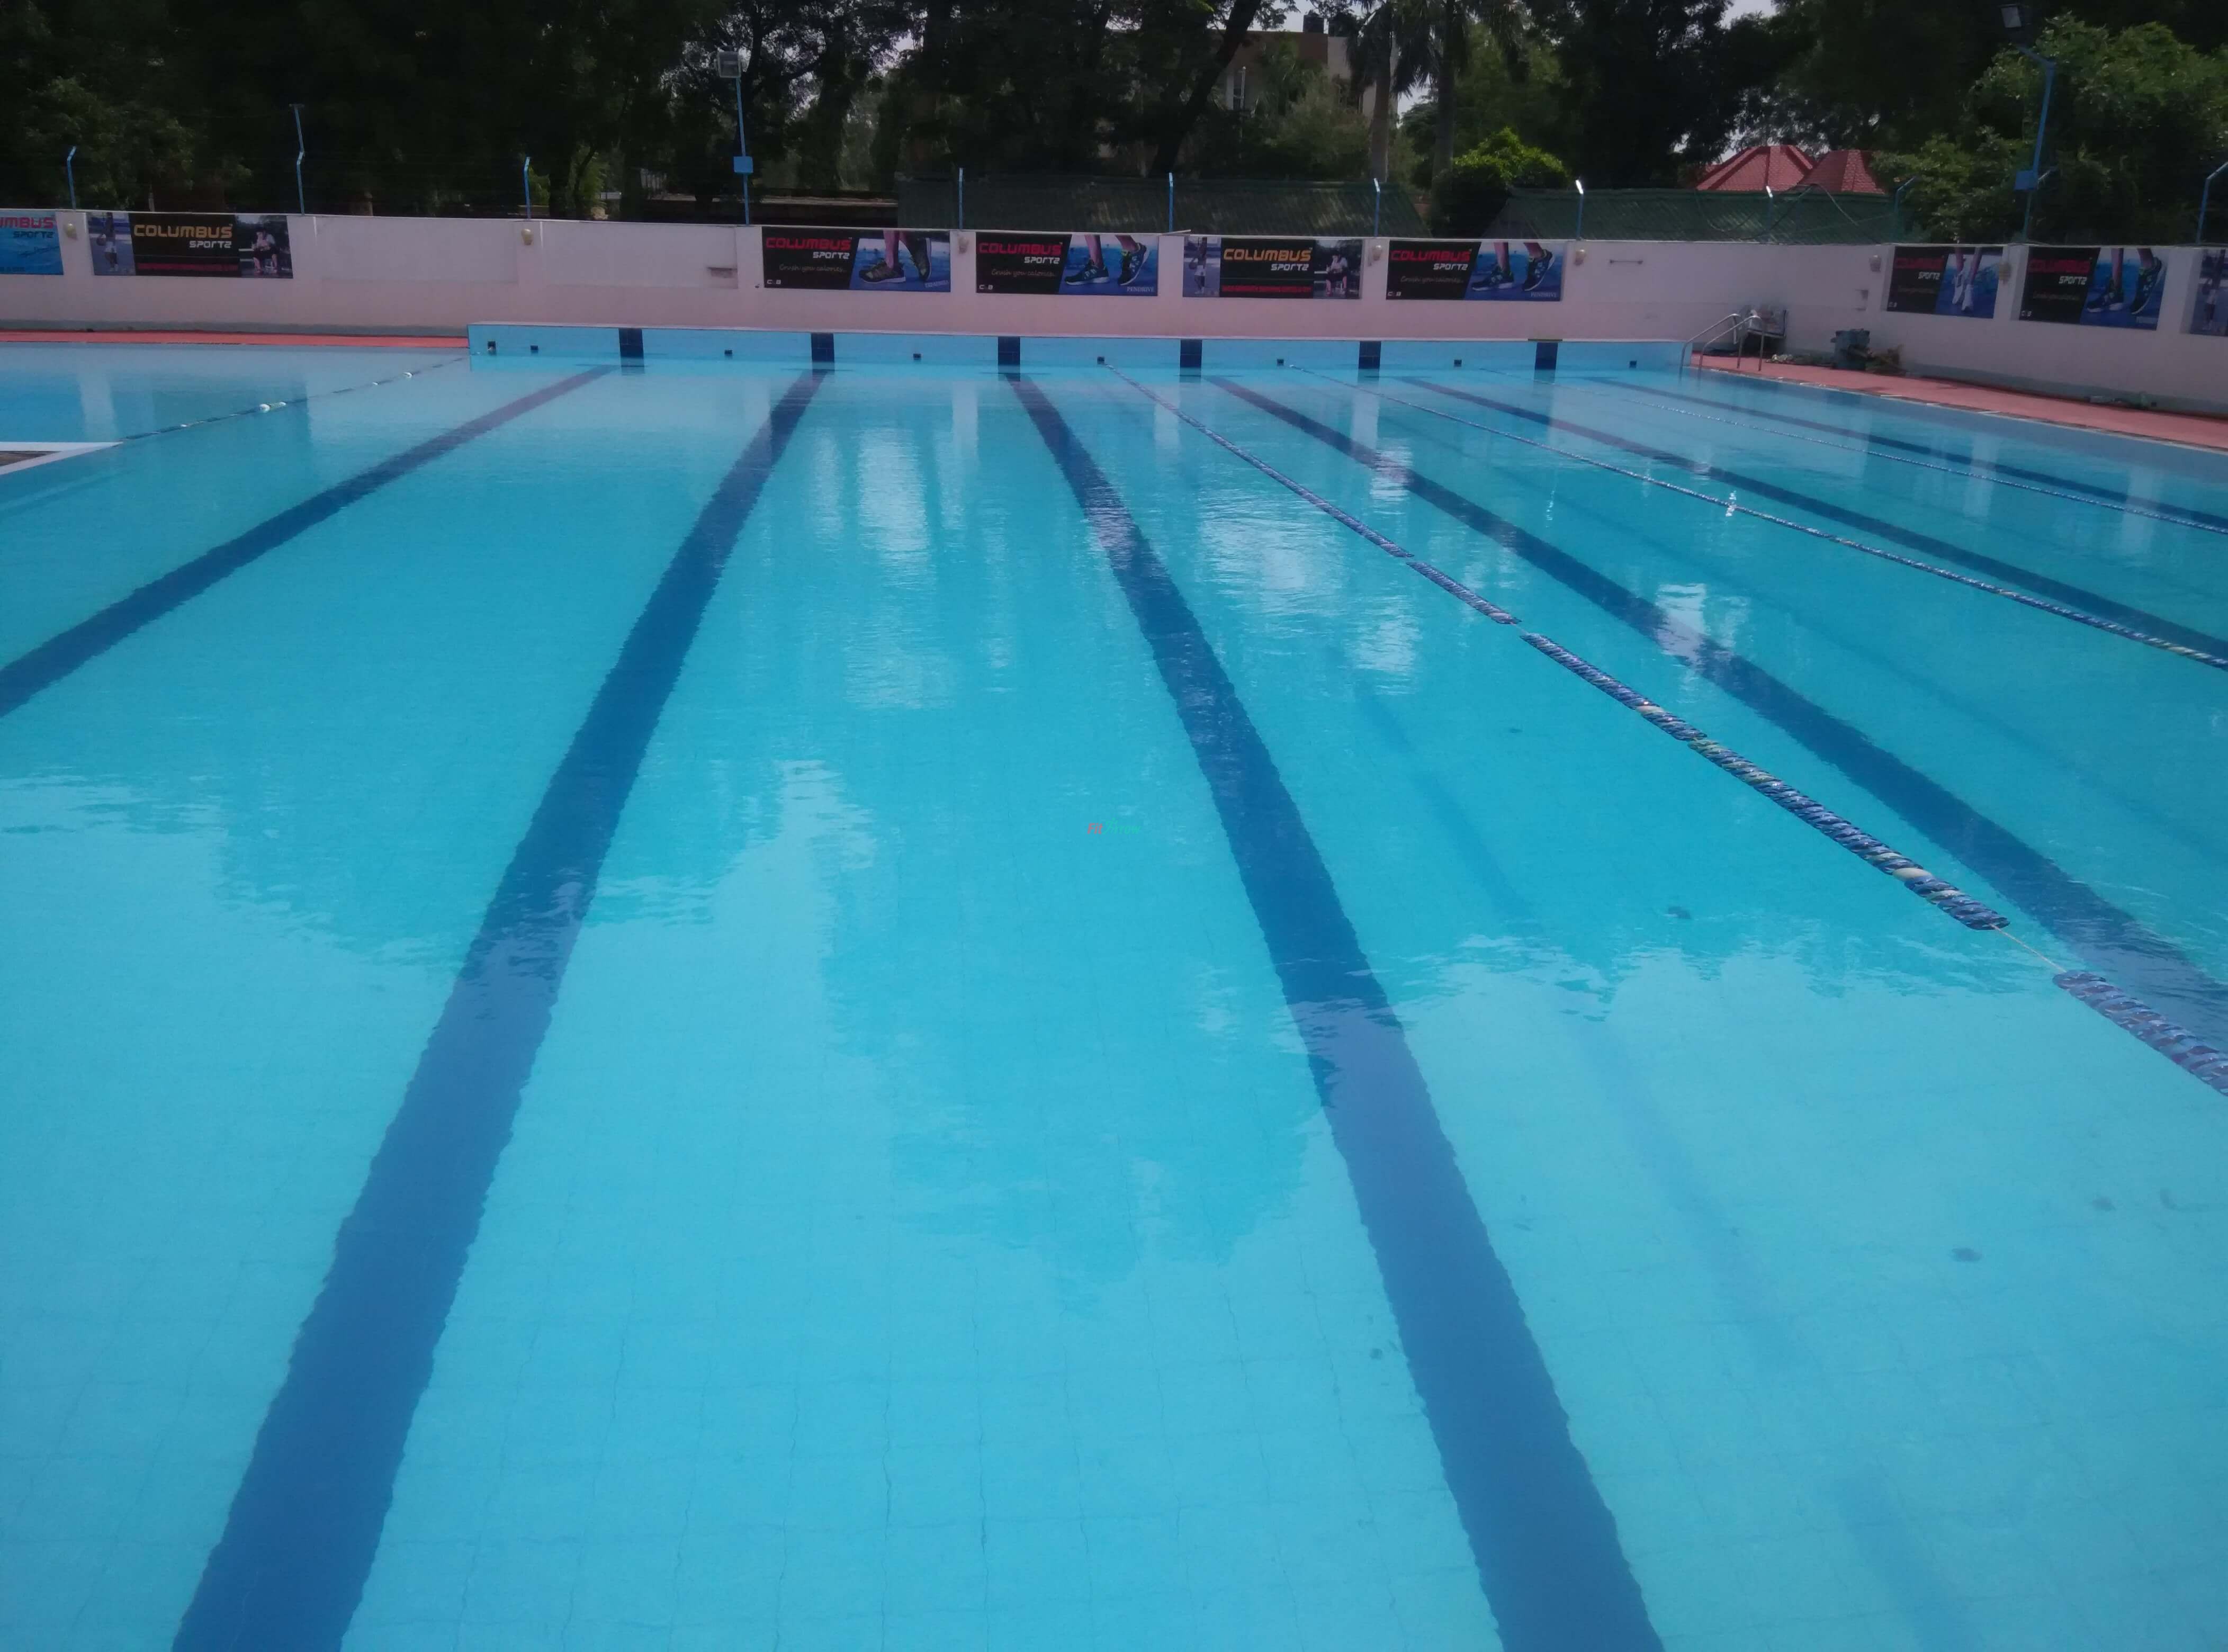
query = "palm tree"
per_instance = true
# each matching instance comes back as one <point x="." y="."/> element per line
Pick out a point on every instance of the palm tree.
<point x="1391" y="55"/>
<point x="1503" y="23"/>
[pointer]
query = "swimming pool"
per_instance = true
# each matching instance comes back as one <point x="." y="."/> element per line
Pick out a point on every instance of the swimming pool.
<point x="730" y="1006"/>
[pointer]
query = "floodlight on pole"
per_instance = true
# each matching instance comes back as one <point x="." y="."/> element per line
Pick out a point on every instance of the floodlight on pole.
<point x="729" y="66"/>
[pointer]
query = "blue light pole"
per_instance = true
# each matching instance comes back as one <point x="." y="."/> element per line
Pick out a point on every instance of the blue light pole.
<point x="525" y="184"/>
<point x="69" y="170"/>
<point x="2204" y="200"/>
<point x="2018" y="19"/>
<point x="1580" y="233"/>
<point x="301" y="148"/>
<point x="729" y="67"/>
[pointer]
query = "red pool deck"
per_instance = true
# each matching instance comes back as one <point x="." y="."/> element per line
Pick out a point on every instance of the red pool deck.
<point x="87" y="336"/>
<point x="2191" y="430"/>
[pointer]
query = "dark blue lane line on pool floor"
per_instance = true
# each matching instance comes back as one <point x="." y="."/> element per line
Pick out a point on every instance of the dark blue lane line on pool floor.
<point x="2091" y="602"/>
<point x="61" y="654"/>
<point x="2042" y="481"/>
<point x="1544" y="1543"/>
<point x="306" y="1521"/>
<point x="2056" y="610"/>
<point x="2110" y="940"/>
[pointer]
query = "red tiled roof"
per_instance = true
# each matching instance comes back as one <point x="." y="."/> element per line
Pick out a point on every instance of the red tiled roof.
<point x="1844" y="171"/>
<point x="1777" y="166"/>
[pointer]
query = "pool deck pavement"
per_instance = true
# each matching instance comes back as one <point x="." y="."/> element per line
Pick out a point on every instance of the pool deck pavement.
<point x="2191" y="429"/>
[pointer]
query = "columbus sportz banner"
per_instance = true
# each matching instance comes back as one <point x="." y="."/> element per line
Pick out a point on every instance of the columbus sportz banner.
<point x="29" y="244"/>
<point x="1492" y="271"/>
<point x="1945" y="280"/>
<point x="856" y="260"/>
<point x="190" y="243"/>
<point x="1087" y="265"/>
<point x="1262" y="266"/>
<point x="2094" y="286"/>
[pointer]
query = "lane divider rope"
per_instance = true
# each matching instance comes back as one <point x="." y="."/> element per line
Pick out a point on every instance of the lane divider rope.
<point x="1732" y="506"/>
<point x="273" y="406"/>
<point x="1974" y="914"/>
<point x="1970" y="469"/>
<point x="2130" y="1014"/>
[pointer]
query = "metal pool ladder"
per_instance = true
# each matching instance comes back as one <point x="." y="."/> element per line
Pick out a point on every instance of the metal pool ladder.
<point x="1743" y="324"/>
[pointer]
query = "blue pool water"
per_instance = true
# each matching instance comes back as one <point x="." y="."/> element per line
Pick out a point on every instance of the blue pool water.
<point x="914" y="1009"/>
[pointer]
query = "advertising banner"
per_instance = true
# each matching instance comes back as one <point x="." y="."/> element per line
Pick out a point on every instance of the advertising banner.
<point x="856" y="260"/>
<point x="1271" y="267"/>
<point x="2094" y="286"/>
<point x="2209" y="315"/>
<point x="1497" y="271"/>
<point x="30" y="243"/>
<point x="1097" y="267"/>
<point x="190" y="243"/>
<point x="1946" y="280"/>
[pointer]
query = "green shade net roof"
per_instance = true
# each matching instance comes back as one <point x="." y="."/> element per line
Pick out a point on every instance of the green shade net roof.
<point x="1809" y="217"/>
<point x="1140" y="206"/>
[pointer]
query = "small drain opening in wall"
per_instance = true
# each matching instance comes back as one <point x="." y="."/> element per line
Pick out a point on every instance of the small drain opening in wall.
<point x="730" y="355"/>
<point x="1457" y="360"/>
<point x="533" y="349"/>
<point x="916" y="356"/>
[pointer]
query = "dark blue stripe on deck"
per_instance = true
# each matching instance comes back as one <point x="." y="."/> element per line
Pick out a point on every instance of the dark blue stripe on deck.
<point x="2094" y="602"/>
<point x="58" y="656"/>
<point x="2097" y="492"/>
<point x="1544" y="1543"/>
<point x="2108" y="938"/>
<point x="306" y="1521"/>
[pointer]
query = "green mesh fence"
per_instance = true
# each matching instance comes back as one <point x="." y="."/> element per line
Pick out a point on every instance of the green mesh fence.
<point x="1140" y="206"/>
<point x="1809" y="218"/>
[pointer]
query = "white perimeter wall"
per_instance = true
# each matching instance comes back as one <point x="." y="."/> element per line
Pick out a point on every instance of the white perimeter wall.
<point x="442" y="274"/>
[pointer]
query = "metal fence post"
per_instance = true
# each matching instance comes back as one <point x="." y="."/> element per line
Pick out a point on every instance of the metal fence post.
<point x="1377" y="208"/>
<point x="962" y="213"/>
<point x="526" y="183"/>
<point x="1580" y="234"/>
<point x="69" y="170"/>
<point x="1172" y="204"/>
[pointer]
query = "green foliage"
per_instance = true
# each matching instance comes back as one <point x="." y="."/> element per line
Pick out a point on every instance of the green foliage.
<point x="1296" y="125"/>
<point x="2137" y="120"/>
<point x="1469" y="194"/>
<point x="1491" y="97"/>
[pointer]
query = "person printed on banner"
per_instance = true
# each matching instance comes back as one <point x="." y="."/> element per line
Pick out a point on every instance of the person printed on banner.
<point x="1494" y="272"/>
<point x="1499" y="271"/>
<point x="2114" y="297"/>
<point x="263" y="251"/>
<point x="889" y="269"/>
<point x="1094" y="270"/>
<point x="1336" y="274"/>
<point x="1963" y="267"/>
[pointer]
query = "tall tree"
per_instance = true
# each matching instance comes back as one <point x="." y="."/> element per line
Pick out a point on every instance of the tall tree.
<point x="1640" y="84"/>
